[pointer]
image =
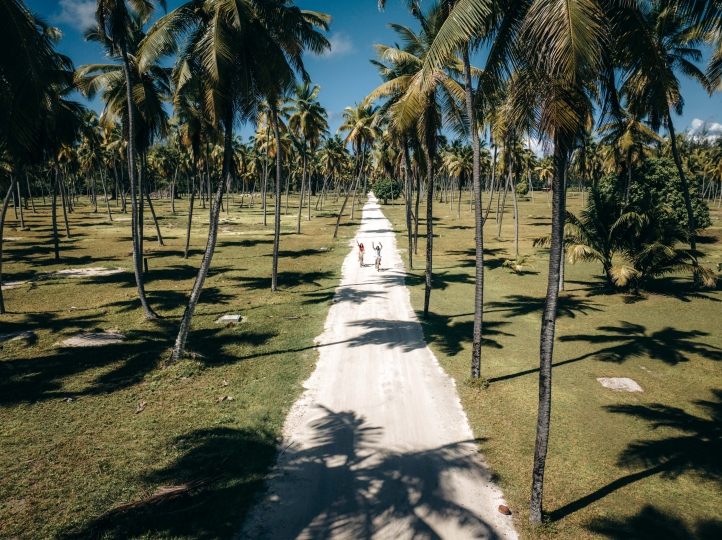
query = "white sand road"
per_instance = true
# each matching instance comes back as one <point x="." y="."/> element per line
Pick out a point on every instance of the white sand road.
<point x="378" y="447"/>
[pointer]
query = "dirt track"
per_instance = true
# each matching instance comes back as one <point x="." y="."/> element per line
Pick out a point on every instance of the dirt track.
<point x="378" y="446"/>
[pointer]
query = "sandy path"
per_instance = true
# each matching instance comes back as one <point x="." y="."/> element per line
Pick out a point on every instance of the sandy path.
<point x="378" y="446"/>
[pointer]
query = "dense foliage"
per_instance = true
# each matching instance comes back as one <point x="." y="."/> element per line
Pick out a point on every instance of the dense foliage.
<point x="387" y="189"/>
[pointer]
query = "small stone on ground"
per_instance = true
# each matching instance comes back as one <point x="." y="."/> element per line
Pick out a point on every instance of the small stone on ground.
<point x="94" y="339"/>
<point x="12" y="284"/>
<point x="620" y="384"/>
<point x="82" y="272"/>
<point x="229" y="318"/>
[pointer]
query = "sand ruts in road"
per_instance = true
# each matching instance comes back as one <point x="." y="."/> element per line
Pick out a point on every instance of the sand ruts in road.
<point x="378" y="446"/>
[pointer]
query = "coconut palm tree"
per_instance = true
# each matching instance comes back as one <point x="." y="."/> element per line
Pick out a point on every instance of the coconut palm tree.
<point x="420" y="105"/>
<point x="664" y="44"/>
<point x="360" y="123"/>
<point x="244" y="50"/>
<point x="309" y="122"/>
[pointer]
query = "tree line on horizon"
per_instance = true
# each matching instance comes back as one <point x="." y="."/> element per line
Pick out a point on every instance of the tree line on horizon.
<point x="596" y="81"/>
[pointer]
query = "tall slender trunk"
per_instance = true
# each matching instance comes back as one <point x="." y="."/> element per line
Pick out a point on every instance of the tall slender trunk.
<point x="407" y="201"/>
<point x="30" y="192"/>
<point x="416" y="213"/>
<point x="185" y="325"/>
<point x="478" y="222"/>
<point x="137" y="253"/>
<point x="516" y="215"/>
<point x="95" y="198"/>
<point x="430" y="151"/>
<point x="54" y="212"/>
<point x="265" y="171"/>
<point x="277" y="205"/>
<point x="3" y="212"/>
<point x="20" y="204"/>
<point x="105" y="192"/>
<point x="172" y="191"/>
<point x="190" y="215"/>
<point x="685" y="187"/>
<point x="303" y="187"/>
<point x="155" y="219"/>
<point x="345" y="201"/>
<point x="64" y="201"/>
<point x="546" y="342"/>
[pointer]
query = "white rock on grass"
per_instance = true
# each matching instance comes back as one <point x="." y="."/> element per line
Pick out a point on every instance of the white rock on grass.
<point x="7" y="285"/>
<point x="14" y="336"/>
<point x="94" y="339"/>
<point x="229" y="318"/>
<point x="83" y="272"/>
<point x="620" y="384"/>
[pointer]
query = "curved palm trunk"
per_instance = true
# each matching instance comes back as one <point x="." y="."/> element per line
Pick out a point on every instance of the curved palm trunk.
<point x="685" y="187"/>
<point x="3" y="212"/>
<point x="277" y="205"/>
<point x="64" y="201"/>
<point x="137" y="245"/>
<point x="30" y="192"/>
<point x="185" y="325"/>
<point x="546" y="345"/>
<point x="105" y="194"/>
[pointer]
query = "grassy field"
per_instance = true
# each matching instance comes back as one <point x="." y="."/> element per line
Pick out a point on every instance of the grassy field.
<point x="71" y="444"/>
<point x="621" y="465"/>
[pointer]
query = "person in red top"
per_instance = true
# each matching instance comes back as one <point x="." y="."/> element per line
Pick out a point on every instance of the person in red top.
<point x="361" y="251"/>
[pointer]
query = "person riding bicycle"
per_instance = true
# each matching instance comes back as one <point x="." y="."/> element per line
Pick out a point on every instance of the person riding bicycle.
<point x="377" y="255"/>
<point x="361" y="252"/>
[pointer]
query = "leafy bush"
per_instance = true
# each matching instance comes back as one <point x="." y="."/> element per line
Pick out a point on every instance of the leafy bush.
<point x="387" y="188"/>
<point x="522" y="188"/>
<point x="657" y="179"/>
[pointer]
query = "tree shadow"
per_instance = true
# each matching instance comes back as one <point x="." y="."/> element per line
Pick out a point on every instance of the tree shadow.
<point x="653" y="524"/>
<point x="206" y="491"/>
<point x="630" y="340"/>
<point x="517" y="305"/>
<point x="696" y="450"/>
<point x="439" y="281"/>
<point x="285" y="279"/>
<point x="341" y="484"/>
<point x="451" y="336"/>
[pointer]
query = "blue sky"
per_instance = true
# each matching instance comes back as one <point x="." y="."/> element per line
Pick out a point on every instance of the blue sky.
<point x="345" y="75"/>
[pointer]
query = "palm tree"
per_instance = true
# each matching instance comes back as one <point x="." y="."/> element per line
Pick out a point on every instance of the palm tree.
<point x="243" y="49"/>
<point x="421" y="105"/>
<point x="307" y="121"/>
<point x="117" y="29"/>
<point x="360" y="124"/>
<point x="665" y="43"/>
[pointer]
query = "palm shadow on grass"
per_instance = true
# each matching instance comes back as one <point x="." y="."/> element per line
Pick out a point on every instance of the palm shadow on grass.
<point x="451" y="336"/>
<point x="651" y="523"/>
<point x="209" y="487"/>
<point x="696" y="449"/>
<point x="124" y="364"/>
<point x="286" y="280"/>
<point x="518" y="305"/>
<point x="628" y="340"/>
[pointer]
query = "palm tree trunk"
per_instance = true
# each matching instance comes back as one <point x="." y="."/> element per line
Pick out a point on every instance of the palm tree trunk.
<point x="136" y="230"/>
<point x="265" y="173"/>
<point x="30" y="192"/>
<point x="20" y="204"/>
<point x="407" y="201"/>
<point x="478" y="222"/>
<point x="685" y="186"/>
<point x="105" y="193"/>
<point x="172" y="191"/>
<point x="95" y="198"/>
<point x="516" y="216"/>
<point x="3" y="212"/>
<point x="185" y="325"/>
<point x="277" y="206"/>
<point x="54" y="212"/>
<point x="430" y="150"/>
<point x="416" y="213"/>
<point x="303" y="187"/>
<point x="190" y="215"/>
<point x="546" y="344"/>
<point x="64" y="201"/>
<point x="155" y="219"/>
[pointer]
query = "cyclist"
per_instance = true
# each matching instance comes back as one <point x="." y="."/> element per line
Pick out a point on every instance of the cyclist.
<point x="377" y="255"/>
<point x="361" y="252"/>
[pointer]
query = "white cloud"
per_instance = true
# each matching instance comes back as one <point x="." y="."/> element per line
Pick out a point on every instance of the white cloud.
<point x="76" y="13"/>
<point x="341" y="45"/>
<point x="707" y="129"/>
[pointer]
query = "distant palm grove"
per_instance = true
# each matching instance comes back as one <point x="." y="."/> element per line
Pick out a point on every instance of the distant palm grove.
<point x="568" y="95"/>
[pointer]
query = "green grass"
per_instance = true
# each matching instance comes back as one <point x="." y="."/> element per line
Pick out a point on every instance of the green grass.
<point x="602" y="479"/>
<point x="66" y="462"/>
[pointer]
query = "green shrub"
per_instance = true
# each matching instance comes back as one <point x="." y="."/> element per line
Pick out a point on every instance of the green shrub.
<point x="387" y="188"/>
<point x="522" y="188"/>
